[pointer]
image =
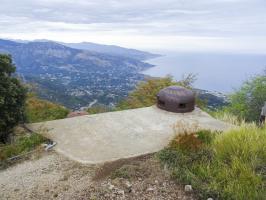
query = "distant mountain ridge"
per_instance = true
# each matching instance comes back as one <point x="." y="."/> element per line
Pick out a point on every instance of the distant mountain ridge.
<point x="113" y="50"/>
<point x="102" y="48"/>
<point x="75" y="77"/>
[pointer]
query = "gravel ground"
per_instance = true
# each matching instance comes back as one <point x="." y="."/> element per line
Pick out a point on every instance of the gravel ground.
<point x="52" y="176"/>
<point x="49" y="177"/>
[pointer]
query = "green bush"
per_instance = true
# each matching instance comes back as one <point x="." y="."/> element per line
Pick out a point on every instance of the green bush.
<point x="246" y="103"/>
<point x="231" y="165"/>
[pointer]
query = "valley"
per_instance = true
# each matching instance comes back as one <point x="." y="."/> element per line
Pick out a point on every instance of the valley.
<point x="75" y="77"/>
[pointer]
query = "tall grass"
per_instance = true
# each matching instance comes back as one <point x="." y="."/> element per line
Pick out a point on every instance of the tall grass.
<point x="228" y="117"/>
<point x="231" y="165"/>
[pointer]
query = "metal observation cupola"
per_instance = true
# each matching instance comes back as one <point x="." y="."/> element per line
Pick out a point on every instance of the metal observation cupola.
<point x="176" y="99"/>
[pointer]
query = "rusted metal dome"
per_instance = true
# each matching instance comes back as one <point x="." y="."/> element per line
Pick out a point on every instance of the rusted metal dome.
<point x="176" y="99"/>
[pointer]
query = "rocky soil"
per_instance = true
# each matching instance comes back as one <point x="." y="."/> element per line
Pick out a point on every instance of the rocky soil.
<point x="52" y="176"/>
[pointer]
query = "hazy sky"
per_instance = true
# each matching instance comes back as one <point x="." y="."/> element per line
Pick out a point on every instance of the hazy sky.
<point x="186" y="25"/>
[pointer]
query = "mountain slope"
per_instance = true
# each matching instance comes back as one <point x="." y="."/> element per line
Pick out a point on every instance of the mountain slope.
<point x="74" y="77"/>
<point x="113" y="50"/>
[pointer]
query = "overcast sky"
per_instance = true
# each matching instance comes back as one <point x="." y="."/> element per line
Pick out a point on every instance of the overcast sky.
<point x="186" y="25"/>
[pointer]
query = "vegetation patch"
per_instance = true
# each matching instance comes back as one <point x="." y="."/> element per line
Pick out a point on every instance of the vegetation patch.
<point x="99" y="109"/>
<point x="21" y="145"/>
<point x="145" y="93"/>
<point x="231" y="165"/>
<point x="38" y="110"/>
<point x="126" y="172"/>
<point x="246" y="102"/>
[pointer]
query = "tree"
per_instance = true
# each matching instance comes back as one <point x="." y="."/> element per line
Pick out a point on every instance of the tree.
<point x="12" y="98"/>
<point x="145" y="93"/>
<point x="246" y="103"/>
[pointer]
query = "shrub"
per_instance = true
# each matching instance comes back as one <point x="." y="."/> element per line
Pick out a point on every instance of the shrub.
<point x="186" y="142"/>
<point x="246" y="103"/>
<point x="40" y="110"/>
<point x="231" y="165"/>
<point x="145" y="93"/>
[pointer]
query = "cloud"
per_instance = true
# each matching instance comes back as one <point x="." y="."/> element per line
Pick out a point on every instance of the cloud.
<point x="118" y="21"/>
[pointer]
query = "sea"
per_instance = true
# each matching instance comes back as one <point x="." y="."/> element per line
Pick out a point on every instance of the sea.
<point x="221" y="72"/>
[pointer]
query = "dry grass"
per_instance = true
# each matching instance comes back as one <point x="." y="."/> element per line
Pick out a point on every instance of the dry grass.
<point x="110" y="167"/>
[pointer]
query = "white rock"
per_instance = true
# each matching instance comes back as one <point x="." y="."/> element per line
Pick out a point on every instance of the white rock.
<point x="128" y="184"/>
<point x="165" y="167"/>
<point x="43" y="145"/>
<point x="156" y="182"/>
<point x="188" y="188"/>
<point x="210" y="199"/>
<point x="150" y="189"/>
<point x="120" y="192"/>
<point x="111" y="187"/>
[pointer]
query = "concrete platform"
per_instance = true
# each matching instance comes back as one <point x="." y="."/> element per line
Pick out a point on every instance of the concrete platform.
<point x="110" y="136"/>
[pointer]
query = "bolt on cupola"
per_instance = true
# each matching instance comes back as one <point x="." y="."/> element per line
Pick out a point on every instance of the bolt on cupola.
<point x="176" y="99"/>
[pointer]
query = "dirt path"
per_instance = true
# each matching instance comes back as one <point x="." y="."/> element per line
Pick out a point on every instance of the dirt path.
<point x="46" y="178"/>
<point x="54" y="177"/>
